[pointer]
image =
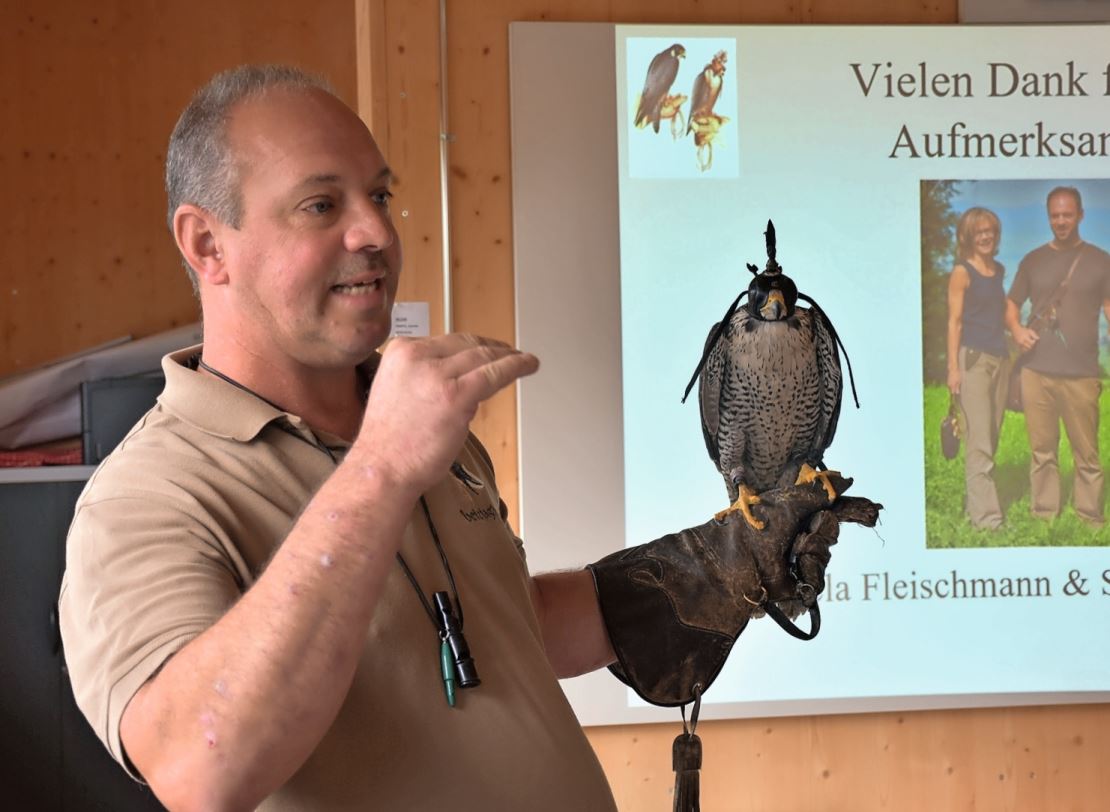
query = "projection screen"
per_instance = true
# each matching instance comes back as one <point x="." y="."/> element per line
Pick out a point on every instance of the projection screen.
<point x="863" y="145"/>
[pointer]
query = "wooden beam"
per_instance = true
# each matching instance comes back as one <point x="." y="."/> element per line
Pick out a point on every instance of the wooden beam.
<point x="398" y="92"/>
<point x="370" y="68"/>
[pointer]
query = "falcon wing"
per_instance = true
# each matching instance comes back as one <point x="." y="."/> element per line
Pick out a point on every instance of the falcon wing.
<point x="712" y="93"/>
<point x="698" y="97"/>
<point x="660" y="76"/>
<point x="709" y="393"/>
<point x="831" y="383"/>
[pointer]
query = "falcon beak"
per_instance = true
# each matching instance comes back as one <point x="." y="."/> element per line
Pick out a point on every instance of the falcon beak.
<point x="774" y="307"/>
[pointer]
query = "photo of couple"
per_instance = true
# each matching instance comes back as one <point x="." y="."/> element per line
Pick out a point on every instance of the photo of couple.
<point x="1016" y="303"/>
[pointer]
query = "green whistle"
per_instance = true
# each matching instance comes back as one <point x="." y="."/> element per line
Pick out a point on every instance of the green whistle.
<point x="447" y="665"/>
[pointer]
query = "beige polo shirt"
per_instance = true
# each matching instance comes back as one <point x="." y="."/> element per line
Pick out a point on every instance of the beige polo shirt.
<point x="181" y="518"/>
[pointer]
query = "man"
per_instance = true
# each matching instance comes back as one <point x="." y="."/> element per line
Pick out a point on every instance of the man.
<point x="264" y="578"/>
<point x="1067" y="281"/>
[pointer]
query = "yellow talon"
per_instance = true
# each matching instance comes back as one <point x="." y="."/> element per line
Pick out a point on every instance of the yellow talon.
<point x="807" y="474"/>
<point x="743" y="503"/>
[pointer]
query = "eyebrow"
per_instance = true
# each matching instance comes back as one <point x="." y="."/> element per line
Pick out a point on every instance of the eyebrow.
<point x="385" y="175"/>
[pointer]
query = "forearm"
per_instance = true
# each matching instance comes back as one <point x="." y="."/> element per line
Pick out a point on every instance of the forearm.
<point x="1013" y="317"/>
<point x="953" y="345"/>
<point x="238" y="710"/>
<point x="957" y="287"/>
<point x="574" y="635"/>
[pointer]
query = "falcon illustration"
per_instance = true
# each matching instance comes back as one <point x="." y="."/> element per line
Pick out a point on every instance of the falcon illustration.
<point x="705" y="127"/>
<point x="770" y="389"/>
<point x="671" y="108"/>
<point x="707" y="88"/>
<point x="660" y="77"/>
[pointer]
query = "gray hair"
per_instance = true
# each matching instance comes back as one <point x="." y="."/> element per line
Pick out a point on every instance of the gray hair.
<point x="201" y="168"/>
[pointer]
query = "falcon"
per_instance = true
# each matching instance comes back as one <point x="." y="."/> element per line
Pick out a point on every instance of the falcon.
<point x="770" y="389"/>
<point x="707" y="88"/>
<point x="705" y="127"/>
<point x="660" y="76"/>
<point x="671" y="109"/>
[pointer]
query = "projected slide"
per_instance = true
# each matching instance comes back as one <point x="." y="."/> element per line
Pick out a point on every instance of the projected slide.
<point x="908" y="174"/>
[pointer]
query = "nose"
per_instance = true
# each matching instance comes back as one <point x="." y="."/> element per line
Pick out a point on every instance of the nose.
<point x="370" y="228"/>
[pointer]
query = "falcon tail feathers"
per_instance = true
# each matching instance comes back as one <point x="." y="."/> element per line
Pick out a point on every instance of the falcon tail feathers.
<point x="839" y="343"/>
<point x="713" y="343"/>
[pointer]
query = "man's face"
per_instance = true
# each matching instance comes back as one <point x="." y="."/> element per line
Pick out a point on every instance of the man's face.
<point x="1064" y="216"/>
<point x="313" y="267"/>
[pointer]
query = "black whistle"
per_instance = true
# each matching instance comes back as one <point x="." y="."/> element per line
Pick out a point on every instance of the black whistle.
<point x="466" y="671"/>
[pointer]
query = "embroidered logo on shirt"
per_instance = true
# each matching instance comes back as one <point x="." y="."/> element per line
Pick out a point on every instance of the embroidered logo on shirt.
<point x="465" y="477"/>
<point x="476" y="487"/>
<point x="478" y="514"/>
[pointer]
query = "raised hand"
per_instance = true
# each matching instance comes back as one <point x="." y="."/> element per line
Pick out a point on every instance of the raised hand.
<point x="423" y="397"/>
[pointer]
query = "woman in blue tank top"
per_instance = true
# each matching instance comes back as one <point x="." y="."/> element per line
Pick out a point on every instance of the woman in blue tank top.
<point x="977" y="356"/>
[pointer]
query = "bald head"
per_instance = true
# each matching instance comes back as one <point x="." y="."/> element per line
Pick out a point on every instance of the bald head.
<point x="201" y="165"/>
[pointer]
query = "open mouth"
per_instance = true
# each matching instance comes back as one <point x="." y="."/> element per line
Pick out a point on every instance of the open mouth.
<point x="357" y="288"/>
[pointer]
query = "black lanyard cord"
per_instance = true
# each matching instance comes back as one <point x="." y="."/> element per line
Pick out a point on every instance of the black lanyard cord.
<point x="446" y="568"/>
<point x="432" y="615"/>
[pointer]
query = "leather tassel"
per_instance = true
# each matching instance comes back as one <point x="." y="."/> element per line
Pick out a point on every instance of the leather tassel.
<point x="686" y="760"/>
<point x="686" y="757"/>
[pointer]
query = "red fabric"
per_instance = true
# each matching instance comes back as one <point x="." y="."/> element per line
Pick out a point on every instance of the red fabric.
<point x="56" y="454"/>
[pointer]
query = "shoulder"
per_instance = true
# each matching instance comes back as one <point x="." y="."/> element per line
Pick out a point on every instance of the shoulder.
<point x="816" y="322"/>
<point x="1031" y="258"/>
<point x="180" y="479"/>
<point x="1100" y="256"/>
<point x="1037" y="254"/>
<point x="160" y="449"/>
<point x="475" y="454"/>
<point x="813" y="328"/>
<point x="739" y="318"/>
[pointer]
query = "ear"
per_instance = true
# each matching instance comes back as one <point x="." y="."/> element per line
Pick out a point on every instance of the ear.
<point x="196" y="231"/>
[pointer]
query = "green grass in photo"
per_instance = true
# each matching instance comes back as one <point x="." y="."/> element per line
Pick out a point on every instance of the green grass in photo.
<point x="946" y="523"/>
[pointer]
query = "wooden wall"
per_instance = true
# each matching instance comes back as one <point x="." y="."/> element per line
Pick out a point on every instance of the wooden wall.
<point x="88" y="94"/>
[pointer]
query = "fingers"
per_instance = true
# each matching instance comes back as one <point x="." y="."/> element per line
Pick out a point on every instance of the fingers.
<point x="456" y="342"/>
<point x="824" y="528"/>
<point x="811" y="572"/>
<point x="457" y="371"/>
<point x="456" y="353"/>
<point x="469" y="356"/>
<point x="492" y="376"/>
<point x="423" y="397"/>
<point x="811" y="550"/>
<point x="481" y="366"/>
<point x="444" y="347"/>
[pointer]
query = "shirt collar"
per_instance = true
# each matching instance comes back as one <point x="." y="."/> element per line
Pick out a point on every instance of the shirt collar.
<point x="223" y="410"/>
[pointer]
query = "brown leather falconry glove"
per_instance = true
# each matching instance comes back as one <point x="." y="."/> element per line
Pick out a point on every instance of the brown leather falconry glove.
<point x="674" y="607"/>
